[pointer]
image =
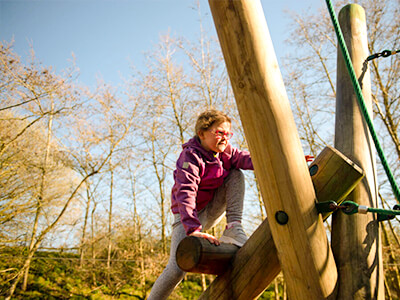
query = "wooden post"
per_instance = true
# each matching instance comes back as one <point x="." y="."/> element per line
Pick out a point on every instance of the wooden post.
<point x="356" y="239"/>
<point x="301" y="242"/>
<point x="333" y="175"/>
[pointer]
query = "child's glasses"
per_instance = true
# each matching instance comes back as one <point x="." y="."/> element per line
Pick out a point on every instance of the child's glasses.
<point x="222" y="134"/>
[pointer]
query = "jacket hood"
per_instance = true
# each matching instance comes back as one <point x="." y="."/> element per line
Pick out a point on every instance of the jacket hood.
<point x="195" y="143"/>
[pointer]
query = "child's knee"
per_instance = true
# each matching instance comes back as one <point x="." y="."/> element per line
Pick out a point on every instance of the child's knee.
<point x="174" y="272"/>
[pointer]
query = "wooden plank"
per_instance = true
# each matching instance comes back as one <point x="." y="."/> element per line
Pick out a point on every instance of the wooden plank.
<point x="356" y="239"/>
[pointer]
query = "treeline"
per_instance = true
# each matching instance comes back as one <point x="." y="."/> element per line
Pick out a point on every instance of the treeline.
<point x="81" y="167"/>
<point x="91" y="168"/>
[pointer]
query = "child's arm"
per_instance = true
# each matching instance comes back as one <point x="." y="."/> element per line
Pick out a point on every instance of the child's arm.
<point x="240" y="159"/>
<point x="187" y="179"/>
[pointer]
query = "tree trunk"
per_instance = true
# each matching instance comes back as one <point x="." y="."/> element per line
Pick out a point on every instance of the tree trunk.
<point x="392" y="272"/>
<point x="110" y="215"/>
<point x="160" y="177"/>
<point x="21" y="273"/>
<point x="40" y="199"/>
<point x="83" y="237"/>
<point x="276" y="288"/>
<point x="93" y="253"/>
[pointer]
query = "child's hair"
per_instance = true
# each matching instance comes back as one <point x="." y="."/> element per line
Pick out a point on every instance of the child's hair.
<point x="208" y="118"/>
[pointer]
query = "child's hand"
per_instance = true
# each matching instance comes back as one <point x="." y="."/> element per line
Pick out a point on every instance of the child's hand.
<point x="212" y="239"/>
<point x="309" y="158"/>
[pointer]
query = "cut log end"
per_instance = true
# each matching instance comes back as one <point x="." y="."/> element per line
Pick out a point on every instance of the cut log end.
<point x="197" y="255"/>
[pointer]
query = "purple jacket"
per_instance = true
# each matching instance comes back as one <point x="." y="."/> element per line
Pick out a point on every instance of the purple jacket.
<point x="198" y="174"/>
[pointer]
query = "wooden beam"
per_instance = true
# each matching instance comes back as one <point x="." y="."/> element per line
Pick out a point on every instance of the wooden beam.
<point x="303" y="248"/>
<point x="333" y="175"/>
<point x="252" y="269"/>
<point x="356" y="239"/>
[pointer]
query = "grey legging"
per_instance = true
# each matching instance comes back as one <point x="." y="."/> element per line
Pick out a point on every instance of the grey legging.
<point x="228" y="198"/>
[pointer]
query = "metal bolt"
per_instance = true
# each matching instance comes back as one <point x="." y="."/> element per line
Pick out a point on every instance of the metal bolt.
<point x="281" y="217"/>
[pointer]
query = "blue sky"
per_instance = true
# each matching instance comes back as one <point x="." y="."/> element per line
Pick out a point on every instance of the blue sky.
<point x="108" y="37"/>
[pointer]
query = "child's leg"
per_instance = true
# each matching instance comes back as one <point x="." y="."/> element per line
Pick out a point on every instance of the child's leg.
<point x="235" y="187"/>
<point x="172" y="274"/>
<point x="228" y="198"/>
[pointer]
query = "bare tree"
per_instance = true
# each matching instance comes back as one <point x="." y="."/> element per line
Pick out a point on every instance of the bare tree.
<point x="165" y="85"/>
<point x="208" y="79"/>
<point x="35" y="98"/>
<point x="383" y="28"/>
<point x="165" y="119"/>
<point x="38" y="98"/>
<point x="41" y="192"/>
<point x="137" y="232"/>
<point x="310" y="72"/>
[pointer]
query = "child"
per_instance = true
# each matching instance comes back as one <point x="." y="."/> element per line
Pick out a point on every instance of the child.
<point x="208" y="184"/>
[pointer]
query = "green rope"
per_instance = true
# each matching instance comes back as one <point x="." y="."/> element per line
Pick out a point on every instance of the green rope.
<point x="350" y="208"/>
<point x="360" y="99"/>
<point x="388" y="212"/>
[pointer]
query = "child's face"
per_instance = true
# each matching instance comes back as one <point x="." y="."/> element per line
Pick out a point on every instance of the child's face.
<point x="216" y="137"/>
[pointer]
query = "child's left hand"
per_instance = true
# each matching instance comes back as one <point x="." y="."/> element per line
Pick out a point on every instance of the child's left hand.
<point x="212" y="239"/>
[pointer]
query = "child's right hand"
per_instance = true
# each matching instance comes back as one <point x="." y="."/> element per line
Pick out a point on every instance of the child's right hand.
<point x="212" y="239"/>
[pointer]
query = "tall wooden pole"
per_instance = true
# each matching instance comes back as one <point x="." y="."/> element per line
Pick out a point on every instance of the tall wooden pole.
<point x="297" y="229"/>
<point x="356" y="239"/>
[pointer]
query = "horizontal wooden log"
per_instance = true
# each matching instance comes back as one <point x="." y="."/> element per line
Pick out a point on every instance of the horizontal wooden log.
<point x="334" y="176"/>
<point x="254" y="266"/>
<point x="198" y="255"/>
